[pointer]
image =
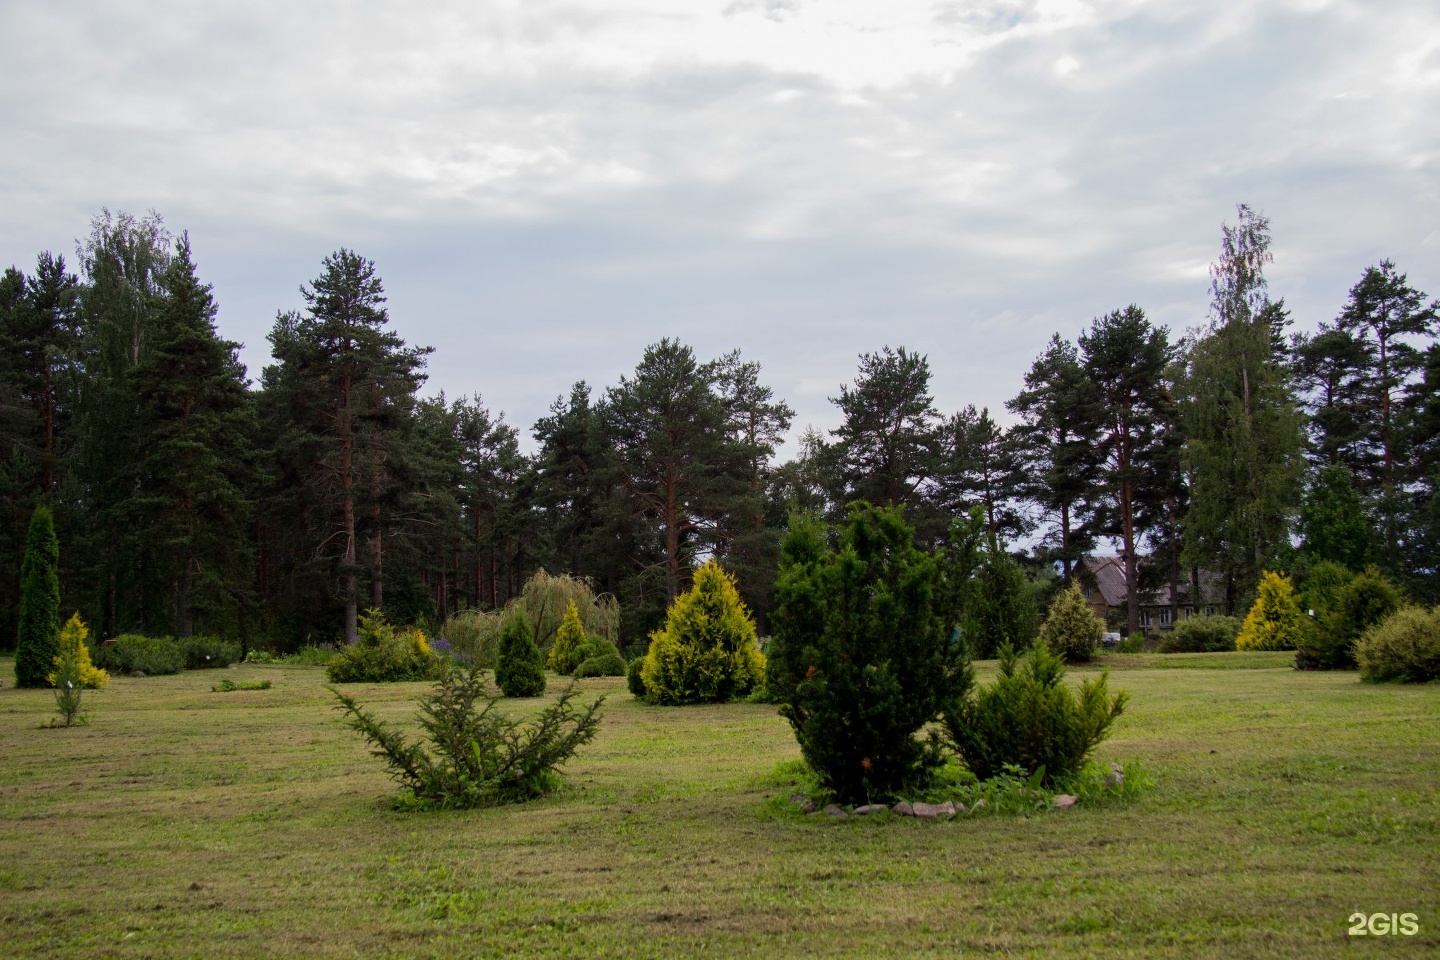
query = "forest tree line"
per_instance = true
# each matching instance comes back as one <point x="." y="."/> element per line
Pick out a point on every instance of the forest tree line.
<point x="190" y="500"/>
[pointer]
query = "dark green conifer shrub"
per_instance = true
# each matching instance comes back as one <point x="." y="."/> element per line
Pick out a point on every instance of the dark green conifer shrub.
<point x="131" y="652"/>
<point x="1071" y="629"/>
<point x="476" y="757"/>
<point x="381" y="654"/>
<point x="1365" y="600"/>
<point x="871" y="659"/>
<point x="520" y="671"/>
<point x="1003" y="607"/>
<point x="1031" y="718"/>
<point x="37" y="641"/>
<point x="1404" y="647"/>
<point x="633" y="681"/>
<point x="1213" y="634"/>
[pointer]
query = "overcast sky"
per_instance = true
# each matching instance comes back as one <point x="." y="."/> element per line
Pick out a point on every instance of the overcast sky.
<point x="547" y="187"/>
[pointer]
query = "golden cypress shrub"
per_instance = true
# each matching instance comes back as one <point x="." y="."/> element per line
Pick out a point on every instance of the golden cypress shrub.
<point x="1275" y="621"/>
<point x="707" y="652"/>
<point x="1071" y="629"/>
<point x="565" y="653"/>
<point x="72" y="639"/>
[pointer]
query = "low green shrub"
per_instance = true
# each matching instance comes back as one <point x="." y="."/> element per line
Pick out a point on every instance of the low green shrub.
<point x="131" y="652"/>
<point x="1213" y="634"/>
<point x="1029" y="718"/>
<point x="633" y="681"/>
<point x="476" y="757"/>
<point x="1135" y="643"/>
<point x="521" y="669"/>
<point x="208" y="652"/>
<point x="1404" y="647"/>
<point x="602" y="665"/>
<point x="1071" y="629"/>
<point x="383" y="655"/>
<point x="227" y="685"/>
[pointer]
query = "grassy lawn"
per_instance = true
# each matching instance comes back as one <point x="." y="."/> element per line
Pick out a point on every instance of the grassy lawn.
<point x="186" y="823"/>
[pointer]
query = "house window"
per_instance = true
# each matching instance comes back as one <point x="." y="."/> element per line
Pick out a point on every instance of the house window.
<point x="1144" y="618"/>
<point x="1209" y="611"/>
<point x="1165" y="617"/>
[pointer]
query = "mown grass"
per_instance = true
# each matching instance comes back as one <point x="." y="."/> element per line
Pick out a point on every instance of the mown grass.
<point x="185" y="823"/>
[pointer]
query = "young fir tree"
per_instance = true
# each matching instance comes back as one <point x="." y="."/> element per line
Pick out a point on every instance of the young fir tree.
<point x="707" y="650"/>
<point x="565" y="652"/>
<point x="1333" y="525"/>
<point x="520" y="670"/>
<point x="37" y="642"/>
<point x="1275" y="621"/>
<point x="861" y="634"/>
<point x="1071" y="629"/>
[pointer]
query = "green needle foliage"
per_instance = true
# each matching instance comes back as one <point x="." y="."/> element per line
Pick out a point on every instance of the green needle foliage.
<point x="521" y="668"/>
<point x="707" y="652"/>
<point x="37" y="643"/>
<point x="476" y="757"/>
<point x="1275" y="621"/>
<point x="1031" y="719"/>
<point x="860" y="635"/>
<point x="1071" y="630"/>
<point x="569" y="638"/>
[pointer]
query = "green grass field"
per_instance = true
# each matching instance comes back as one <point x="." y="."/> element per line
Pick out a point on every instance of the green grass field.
<point x="187" y="823"/>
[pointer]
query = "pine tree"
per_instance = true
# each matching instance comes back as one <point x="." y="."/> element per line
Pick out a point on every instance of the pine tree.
<point x="1057" y="448"/>
<point x="1333" y="525"/>
<point x="980" y="466"/>
<point x="38" y="638"/>
<point x="1125" y="360"/>
<point x="343" y="389"/>
<point x="889" y="445"/>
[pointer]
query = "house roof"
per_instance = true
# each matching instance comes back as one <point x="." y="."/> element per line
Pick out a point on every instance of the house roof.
<point x="1109" y="574"/>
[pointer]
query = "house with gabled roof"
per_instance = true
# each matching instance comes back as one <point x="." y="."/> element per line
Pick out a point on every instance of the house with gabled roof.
<point x="1103" y="585"/>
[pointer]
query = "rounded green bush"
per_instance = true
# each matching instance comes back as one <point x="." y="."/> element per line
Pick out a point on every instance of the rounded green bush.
<point x="381" y="655"/>
<point x="603" y="665"/>
<point x="1214" y="634"/>
<point x="1404" y="647"/>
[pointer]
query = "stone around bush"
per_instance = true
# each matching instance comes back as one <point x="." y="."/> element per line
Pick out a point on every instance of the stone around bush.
<point x="38" y="636"/>
<point x="520" y="671"/>
<point x="1275" y="621"/>
<point x="1071" y="629"/>
<point x="707" y="651"/>
<point x="1405" y="647"/>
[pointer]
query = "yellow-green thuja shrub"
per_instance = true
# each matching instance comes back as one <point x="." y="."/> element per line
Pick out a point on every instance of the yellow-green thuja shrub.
<point x="565" y="653"/>
<point x="707" y="651"/>
<point x="1275" y="622"/>
<point x="1071" y="630"/>
<point x="72" y="645"/>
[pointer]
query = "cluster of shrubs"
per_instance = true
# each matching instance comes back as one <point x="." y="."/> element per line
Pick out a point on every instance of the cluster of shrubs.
<point x="154" y="656"/>
<point x="1201" y="634"/>
<point x="382" y="654"/>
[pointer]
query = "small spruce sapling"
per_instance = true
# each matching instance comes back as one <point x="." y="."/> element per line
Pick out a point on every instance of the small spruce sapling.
<point x="520" y="671"/>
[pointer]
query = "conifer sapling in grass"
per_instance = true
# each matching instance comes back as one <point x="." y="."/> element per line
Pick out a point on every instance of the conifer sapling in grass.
<point x="565" y="653"/>
<point x="76" y="655"/>
<point x="1275" y="622"/>
<point x="1071" y="630"/>
<point x="707" y="652"/>
<point x="520" y="671"/>
<point x="38" y="636"/>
